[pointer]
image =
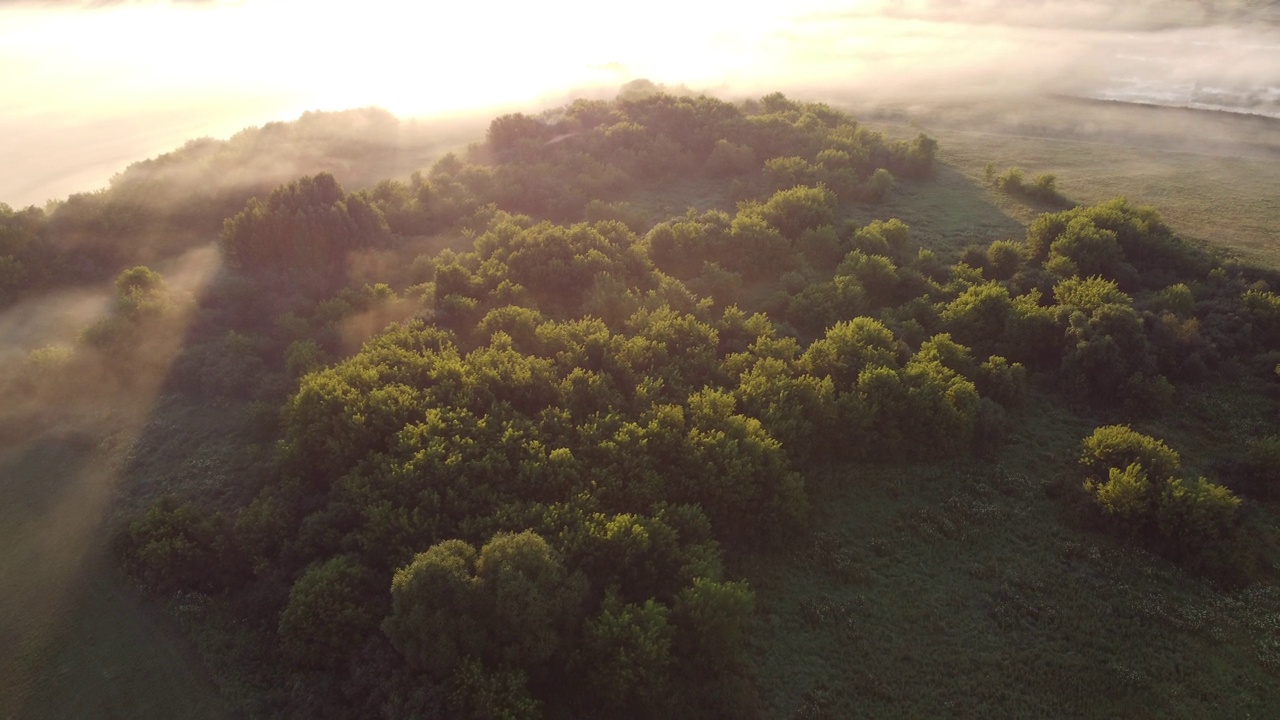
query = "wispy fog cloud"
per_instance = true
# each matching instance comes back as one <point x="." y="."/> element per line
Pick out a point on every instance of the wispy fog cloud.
<point x="83" y="93"/>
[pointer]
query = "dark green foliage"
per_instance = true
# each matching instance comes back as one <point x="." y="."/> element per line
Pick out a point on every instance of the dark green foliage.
<point x="431" y="622"/>
<point x="798" y="209"/>
<point x="309" y="225"/>
<point x="1002" y="381"/>
<point x="1259" y="469"/>
<point x="510" y="605"/>
<point x="849" y="348"/>
<point x="478" y="693"/>
<point x="141" y="306"/>
<point x="625" y="658"/>
<point x="22" y="253"/>
<point x="1107" y="350"/>
<point x="178" y="547"/>
<point x="1004" y="259"/>
<point x="728" y="159"/>
<point x="1263" y="310"/>
<point x="986" y="318"/>
<point x="1084" y="249"/>
<point x="329" y="612"/>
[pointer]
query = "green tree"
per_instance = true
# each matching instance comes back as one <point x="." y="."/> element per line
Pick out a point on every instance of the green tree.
<point x="177" y="547"/>
<point x="309" y="225"/>
<point x="332" y="607"/>
<point x="625" y="659"/>
<point x="433" y="622"/>
<point x="510" y="605"/>
<point x="476" y="692"/>
<point x="798" y="209"/>
<point x="848" y="348"/>
<point x="532" y="602"/>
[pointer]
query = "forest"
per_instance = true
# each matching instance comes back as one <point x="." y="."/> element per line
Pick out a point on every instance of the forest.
<point x="541" y="430"/>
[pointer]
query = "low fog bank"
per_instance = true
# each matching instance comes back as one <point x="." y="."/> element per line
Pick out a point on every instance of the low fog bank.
<point x="49" y="161"/>
<point x="930" y="58"/>
<point x="55" y="374"/>
<point x="1095" y="14"/>
<point x="904" y="56"/>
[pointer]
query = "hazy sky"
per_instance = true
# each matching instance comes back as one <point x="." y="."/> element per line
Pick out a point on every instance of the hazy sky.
<point x="87" y="87"/>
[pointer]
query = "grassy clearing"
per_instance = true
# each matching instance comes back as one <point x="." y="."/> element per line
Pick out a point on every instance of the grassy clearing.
<point x="1213" y="177"/>
<point x="970" y="591"/>
<point x="76" y="640"/>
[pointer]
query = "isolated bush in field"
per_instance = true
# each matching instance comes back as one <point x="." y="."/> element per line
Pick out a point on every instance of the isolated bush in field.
<point x="1011" y="180"/>
<point x="1133" y="478"/>
<point x="1118" y="446"/>
<point x="48" y="360"/>
<point x="141" y="295"/>
<point x="1043" y="188"/>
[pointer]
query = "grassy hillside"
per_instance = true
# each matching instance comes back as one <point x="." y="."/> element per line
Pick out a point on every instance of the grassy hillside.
<point x="979" y="590"/>
<point x="76" y="639"/>
<point x="1212" y="175"/>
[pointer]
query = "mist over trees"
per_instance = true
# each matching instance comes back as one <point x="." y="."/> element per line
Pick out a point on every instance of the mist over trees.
<point x="512" y="429"/>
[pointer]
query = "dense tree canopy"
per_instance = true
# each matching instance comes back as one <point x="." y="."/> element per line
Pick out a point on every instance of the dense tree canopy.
<point x="525" y="488"/>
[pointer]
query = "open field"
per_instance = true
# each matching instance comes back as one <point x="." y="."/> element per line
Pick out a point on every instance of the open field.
<point x="1213" y="176"/>
<point x="976" y="591"/>
<point x="76" y="638"/>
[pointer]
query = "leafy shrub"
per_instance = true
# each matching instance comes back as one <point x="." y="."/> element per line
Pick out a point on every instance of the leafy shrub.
<point x="1195" y="513"/>
<point x="1119" y="446"/>
<point x="1133" y="478"/>
<point x="177" y="547"/>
